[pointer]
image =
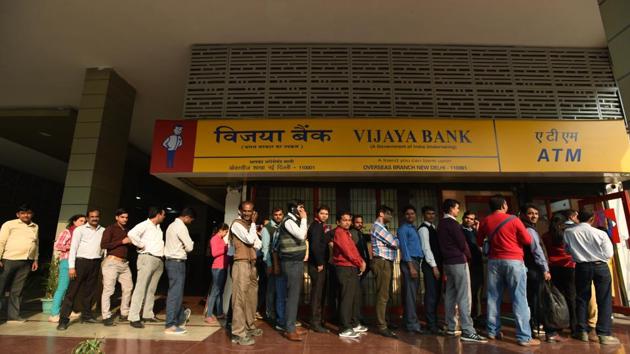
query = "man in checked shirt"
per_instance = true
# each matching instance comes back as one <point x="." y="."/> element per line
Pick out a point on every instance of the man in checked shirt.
<point x="385" y="248"/>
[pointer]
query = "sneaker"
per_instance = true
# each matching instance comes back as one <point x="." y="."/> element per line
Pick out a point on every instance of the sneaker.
<point x="360" y="329"/>
<point x="212" y="321"/>
<point x="473" y="337"/>
<point x="529" y="343"/>
<point x="175" y="330"/>
<point x="18" y="320"/>
<point x="497" y="336"/>
<point x="608" y="340"/>
<point x="349" y="333"/>
<point x="387" y="333"/>
<point x="279" y="328"/>
<point x="581" y="336"/>
<point x="187" y="313"/>
<point x="53" y="319"/>
<point x="258" y="316"/>
<point x="136" y="324"/>
<point x="246" y="340"/>
<point x="62" y="326"/>
<point x="454" y="333"/>
<point x="74" y="315"/>
<point x="416" y="330"/>
<point x="556" y="338"/>
<point x="108" y="322"/>
<point x="256" y="332"/>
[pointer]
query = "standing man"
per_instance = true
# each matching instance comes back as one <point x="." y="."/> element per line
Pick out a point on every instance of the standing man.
<point x="318" y="246"/>
<point x="456" y="254"/>
<point x="506" y="236"/>
<point x="591" y="250"/>
<point x="244" y="238"/>
<point x="266" y="237"/>
<point x="19" y="250"/>
<point x="362" y="241"/>
<point x="431" y="268"/>
<point x="536" y="263"/>
<point x="84" y="262"/>
<point x="411" y="254"/>
<point x="475" y="264"/>
<point x="116" y="267"/>
<point x="178" y="244"/>
<point x="292" y="250"/>
<point x="349" y="266"/>
<point x="385" y="248"/>
<point x="148" y="237"/>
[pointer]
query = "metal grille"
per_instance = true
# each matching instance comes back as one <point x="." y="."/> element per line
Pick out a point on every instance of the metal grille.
<point x="238" y="81"/>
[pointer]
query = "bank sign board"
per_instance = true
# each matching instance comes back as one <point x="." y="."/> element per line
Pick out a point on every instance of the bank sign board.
<point x="396" y="146"/>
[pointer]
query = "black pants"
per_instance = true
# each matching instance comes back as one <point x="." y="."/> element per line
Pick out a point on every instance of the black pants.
<point x="432" y="294"/>
<point x="318" y="281"/>
<point x="534" y="284"/>
<point x="13" y="275"/>
<point x="332" y="292"/>
<point x="84" y="285"/>
<point x="349" y="305"/>
<point x="599" y="275"/>
<point x="563" y="278"/>
<point x="476" y="287"/>
<point x="261" y="269"/>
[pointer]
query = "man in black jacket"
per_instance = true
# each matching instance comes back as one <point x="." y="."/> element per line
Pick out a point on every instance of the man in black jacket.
<point x="317" y="260"/>
<point x="475" y="265"/>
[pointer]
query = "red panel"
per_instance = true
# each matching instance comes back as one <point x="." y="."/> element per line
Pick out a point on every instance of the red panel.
<point x="181" y="146"/>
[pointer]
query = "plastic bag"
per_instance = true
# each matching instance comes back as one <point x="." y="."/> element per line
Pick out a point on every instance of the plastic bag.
<point x="554" y="307"/>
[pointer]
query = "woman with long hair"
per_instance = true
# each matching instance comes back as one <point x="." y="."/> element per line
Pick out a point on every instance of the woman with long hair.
<point x="219" y="248"/>
<point x="63" y="246"/>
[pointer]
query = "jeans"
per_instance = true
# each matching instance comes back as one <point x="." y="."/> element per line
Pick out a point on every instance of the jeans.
<point x="432" y="294"/>
<point x="281" y="300"/>
<point x="457" y="293"/>
<point x="294" y="272"/>
<point x="599" y="275"/>
<point x="215" y="298"/>
<point x="176" y="272"/>
<point x="12" y="277"/>
<point x="410" y="291"/>
<point x="510" y="274"/>
<point x="62" y="287"/>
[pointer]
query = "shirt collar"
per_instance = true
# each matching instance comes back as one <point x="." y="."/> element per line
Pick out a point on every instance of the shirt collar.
<point x="449" y="216"/>
<point x="23" y="223"/>
<point x="467" y="228"/>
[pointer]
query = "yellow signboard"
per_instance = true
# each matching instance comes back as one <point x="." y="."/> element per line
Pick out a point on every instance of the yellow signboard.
<point x="345" y="145"/>
<point x="389" y="146"/>
<point x="563" y="146"/>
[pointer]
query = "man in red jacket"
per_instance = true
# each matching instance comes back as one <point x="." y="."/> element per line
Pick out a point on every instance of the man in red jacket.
<point x="349" y="266"/>
<point x="507" y="236"/>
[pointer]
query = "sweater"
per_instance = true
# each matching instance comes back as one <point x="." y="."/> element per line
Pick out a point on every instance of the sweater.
<point x="453" y="245"/>
<point x="345" y="253"/>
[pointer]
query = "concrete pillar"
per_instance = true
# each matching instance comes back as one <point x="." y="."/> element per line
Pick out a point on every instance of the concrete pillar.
<point x="616" y="18"/>
<point x="99" y="146"/>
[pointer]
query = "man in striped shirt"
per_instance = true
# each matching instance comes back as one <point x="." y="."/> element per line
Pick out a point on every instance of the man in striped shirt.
<point x="385" y="248"/>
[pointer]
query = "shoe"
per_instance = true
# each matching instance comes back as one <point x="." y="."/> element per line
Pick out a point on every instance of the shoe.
<point x="122" y="318"/>
<point x="63" y="325"/>
<point x="319" y="329"/>
<point x="386" y="332"/>
<point x="187" y="313"/>
<point x="175" y="330"/>
<point x="89" y="320"/>
<point x="301" y="331"/>
<point x="473" y="337"/>
<point x="154" y="319"/>
<point x="246" y="340"/>
<point x="136" y="324"/>
<point x="529" y="343"/>
<point x="392" y="326"/>
<point x="279" y="328"/>
<point x="212" y="321"/>
<point x="415" y="330"/>
<point x="360" y="329"/>
<point x="298" y="324"/>
<point x="53" y="319"/>
<point x="608" y="340"/>
<point x="436" y="331"/>
<point x="293" y="336"/>
<point x="256" y="332"/>
<point x="108" y="322"/>
<point x="17" y="321"/>
<point x="556" y="338"/>
<point x="74" y="315"/>
<point x="581" y="336"/>
<point x="258" y="316"/>
<point x="220" y="317"/>
<point x="349" y="333"/>
<point x="453" y="333"/>
<point x="497" y="336"/>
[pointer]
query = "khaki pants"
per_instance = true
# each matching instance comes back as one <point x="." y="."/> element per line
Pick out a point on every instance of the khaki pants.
<point x="244" y="297"/>
<point x="150" y="270"/>
<point x="592" y="309"/>
<point x="115" y="269"/>
<point x="382" y="270"/>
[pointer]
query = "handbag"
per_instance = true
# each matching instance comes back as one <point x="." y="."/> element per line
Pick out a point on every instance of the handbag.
<point x="486" y="242"/>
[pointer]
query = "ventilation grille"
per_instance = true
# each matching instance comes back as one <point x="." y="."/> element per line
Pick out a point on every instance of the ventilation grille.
<point x="238" y="81"/>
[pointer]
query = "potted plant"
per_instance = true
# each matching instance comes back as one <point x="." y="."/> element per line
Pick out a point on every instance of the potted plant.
<point x="50" y="285"/>
<point x="89" y="346"/>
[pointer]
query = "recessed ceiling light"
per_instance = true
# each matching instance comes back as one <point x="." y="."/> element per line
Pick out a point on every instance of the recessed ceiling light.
<point x="43" y="133"/>
<point x="138" y="197"/>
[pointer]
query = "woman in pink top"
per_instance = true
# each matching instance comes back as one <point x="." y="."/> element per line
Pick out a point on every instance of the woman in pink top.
<point x="63" y="246"/>
<point x="218" y="248"/>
